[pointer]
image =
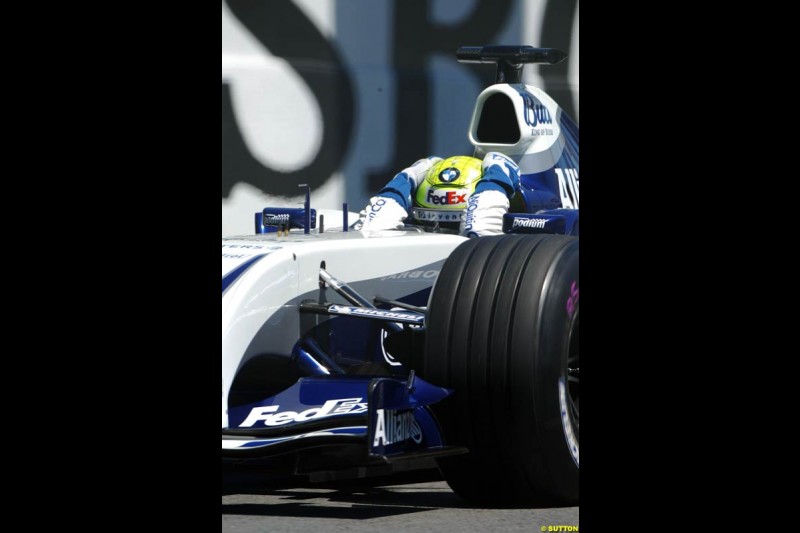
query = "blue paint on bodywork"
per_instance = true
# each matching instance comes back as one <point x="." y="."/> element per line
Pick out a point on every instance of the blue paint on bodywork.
<point x="231" y="276"/>
<point x="540" y="192"/>
<point x="346" y="400"/>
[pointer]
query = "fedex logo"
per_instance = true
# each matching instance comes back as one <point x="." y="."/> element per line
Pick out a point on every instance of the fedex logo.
<point x="446" y="198"/>
<point x="268" y="415"/>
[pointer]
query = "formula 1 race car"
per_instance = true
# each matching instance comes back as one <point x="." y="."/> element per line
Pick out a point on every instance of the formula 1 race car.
<point x="347" y="356"/>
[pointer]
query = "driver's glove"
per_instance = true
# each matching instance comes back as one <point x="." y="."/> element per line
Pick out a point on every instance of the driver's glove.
<point x="389" y="208"/>
<point x="382" y="213"/>
<point x="487" y="205"/>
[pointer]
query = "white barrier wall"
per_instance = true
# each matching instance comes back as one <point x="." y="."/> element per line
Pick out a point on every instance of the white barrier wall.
<point x="343" y="94"/>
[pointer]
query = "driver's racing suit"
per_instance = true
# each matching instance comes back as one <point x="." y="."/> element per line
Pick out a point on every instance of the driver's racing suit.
<point x="485" y="206"/>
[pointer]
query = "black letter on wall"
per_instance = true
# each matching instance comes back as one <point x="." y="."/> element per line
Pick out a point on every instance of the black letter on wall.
<point x="283" y="29"/>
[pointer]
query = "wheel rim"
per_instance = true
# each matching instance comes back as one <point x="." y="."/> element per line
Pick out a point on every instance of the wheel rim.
<point x="573" y="375"/>
<point x="569" y="393"/>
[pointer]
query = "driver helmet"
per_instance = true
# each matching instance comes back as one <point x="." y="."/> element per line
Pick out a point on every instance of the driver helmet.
<point x="441" y="197"/>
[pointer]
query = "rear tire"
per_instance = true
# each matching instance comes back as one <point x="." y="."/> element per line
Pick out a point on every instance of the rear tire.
<point x="502" y="331"/>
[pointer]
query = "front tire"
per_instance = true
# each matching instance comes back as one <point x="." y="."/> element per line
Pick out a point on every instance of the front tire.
<point x="502" y="331"/>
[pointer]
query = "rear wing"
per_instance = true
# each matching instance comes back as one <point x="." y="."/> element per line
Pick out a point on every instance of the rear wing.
<point x="509" y="59"/>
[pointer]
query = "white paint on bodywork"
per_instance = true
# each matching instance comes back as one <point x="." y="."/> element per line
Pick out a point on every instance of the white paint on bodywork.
<point x="293" y="269"/>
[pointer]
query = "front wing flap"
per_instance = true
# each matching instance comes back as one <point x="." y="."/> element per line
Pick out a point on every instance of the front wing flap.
<point x="372" y="420"/>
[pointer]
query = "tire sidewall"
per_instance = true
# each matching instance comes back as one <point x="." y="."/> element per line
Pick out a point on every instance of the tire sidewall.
<point x="557" y="316"/>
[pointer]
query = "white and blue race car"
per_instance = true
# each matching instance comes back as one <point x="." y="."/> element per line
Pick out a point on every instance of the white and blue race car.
<point x="347" y="356"/>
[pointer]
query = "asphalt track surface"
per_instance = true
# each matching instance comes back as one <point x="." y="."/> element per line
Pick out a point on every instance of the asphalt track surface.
<point x="411" y="502"/>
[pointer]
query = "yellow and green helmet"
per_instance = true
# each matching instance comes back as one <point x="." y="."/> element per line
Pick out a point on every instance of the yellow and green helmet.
<point x="443" y="193"/>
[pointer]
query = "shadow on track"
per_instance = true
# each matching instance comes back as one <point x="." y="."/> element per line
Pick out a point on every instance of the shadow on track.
<point x="352" y="499"/>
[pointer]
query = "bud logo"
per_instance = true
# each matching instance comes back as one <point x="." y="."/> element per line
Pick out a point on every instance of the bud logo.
<point x="270" y="417"/>
<point x="446" y="198"/>
<point x="449" y="174"/>
<point x="391" y="427"/>
<point x="535" y="113"/>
